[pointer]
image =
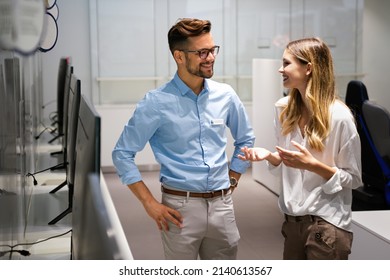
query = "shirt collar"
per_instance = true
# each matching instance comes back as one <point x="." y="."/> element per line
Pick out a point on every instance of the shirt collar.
<point x="184" y="89"/>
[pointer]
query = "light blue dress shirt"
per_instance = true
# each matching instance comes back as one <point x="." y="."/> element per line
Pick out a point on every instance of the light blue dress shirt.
<point x="187" y="133"/>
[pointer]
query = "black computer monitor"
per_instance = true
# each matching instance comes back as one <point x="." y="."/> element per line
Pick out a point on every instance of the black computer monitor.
<point x="63" y="125"/>
<point x="87" y="141"/>
<point x="3" y="120"/>
<point x="87" y="148"/>
<point x="69" y="72"/>
<point x="87" y="161"/>
<point x="97" y="232"/>
<point x="73" y="115"/>
<point x="61" y="84"/>
<point x="93" y="231"/>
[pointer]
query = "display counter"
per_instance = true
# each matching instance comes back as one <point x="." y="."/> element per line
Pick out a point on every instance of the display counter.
<point x="371" y="239"/>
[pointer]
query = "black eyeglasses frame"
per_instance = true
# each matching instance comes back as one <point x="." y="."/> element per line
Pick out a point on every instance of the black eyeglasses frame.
<point x="204" y="53"/>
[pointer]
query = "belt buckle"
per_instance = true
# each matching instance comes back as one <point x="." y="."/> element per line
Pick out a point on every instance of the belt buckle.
<point x="208" y="195"/>
<point x="213" y="194"/>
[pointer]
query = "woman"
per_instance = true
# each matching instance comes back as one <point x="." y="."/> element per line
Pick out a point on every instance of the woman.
<point x="317" y="155"/>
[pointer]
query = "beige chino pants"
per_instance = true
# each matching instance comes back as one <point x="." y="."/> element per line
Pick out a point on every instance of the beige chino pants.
<point x="209" y="229"/>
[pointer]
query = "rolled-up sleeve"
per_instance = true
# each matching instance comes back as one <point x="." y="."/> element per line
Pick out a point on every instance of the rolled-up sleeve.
<point x="133" y="139"/>
<point x="348" y="163"/>
<point x="242" y="133"/>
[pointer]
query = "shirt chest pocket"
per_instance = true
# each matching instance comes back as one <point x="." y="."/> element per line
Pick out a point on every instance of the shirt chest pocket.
<point x="217" y="127"/>
<point x="217" y="122"/>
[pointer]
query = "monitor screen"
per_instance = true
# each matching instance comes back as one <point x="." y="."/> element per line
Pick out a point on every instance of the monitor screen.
<point x="69" y="72"/>
<point x="87" y="142"/>
<point x="87" y="161"/>
<point x="98" y="235"/>
<point x="61" y="83"/>
<point x="70" y="164"/>
<point x="93" y="231"/>
<point x="73" y="114"/>
<point x="3" y="119"/>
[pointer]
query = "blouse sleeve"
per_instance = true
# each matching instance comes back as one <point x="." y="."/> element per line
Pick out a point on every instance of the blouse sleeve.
<point x="347" y="161"/>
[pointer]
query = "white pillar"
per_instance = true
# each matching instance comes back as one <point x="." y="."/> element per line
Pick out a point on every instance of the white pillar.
<point x="267" y="88"/>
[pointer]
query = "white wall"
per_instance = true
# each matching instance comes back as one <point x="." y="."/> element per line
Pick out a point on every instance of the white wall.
<point x="376" y="41"/>
<point x="73" y="40"/>
<point x="266" y="92"/>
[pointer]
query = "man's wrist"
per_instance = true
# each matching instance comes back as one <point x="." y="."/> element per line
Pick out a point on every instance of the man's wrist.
<point x="233" y="182"/>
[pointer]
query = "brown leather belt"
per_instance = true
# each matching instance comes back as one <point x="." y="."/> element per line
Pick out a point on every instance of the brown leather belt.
<point x="194" y="194"/>
<point x="297" y="219"/>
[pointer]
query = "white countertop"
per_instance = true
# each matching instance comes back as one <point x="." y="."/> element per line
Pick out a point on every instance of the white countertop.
<point x="375" y="222"/>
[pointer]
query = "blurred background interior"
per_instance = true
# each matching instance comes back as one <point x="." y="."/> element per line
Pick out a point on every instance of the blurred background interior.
<point x="72" y="71"/>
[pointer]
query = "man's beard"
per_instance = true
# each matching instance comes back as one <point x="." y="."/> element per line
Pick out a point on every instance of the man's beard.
<point x="198" y="72"/>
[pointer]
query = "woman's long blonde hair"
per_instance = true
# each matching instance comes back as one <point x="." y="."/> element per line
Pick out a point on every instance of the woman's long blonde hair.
<point x="320" y="91"/>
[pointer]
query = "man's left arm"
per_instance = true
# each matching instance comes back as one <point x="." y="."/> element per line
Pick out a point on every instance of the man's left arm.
<point x="243" y="135"/>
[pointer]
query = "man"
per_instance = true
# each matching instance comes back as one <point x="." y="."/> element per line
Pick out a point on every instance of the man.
<point x="185" y="123"/>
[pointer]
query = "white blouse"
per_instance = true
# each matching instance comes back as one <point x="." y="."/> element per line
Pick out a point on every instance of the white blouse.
<point x="304" y="192"/>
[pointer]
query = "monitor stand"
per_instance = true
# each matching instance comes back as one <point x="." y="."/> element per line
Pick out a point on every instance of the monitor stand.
<point x="64" y="183"/>
<point x="68" y="210"/>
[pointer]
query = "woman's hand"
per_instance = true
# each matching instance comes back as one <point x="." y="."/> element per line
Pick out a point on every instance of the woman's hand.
<point x="303" y="159"/>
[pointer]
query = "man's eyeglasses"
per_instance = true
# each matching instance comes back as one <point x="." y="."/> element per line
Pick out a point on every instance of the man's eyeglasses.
<point x="204" y="53"/>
